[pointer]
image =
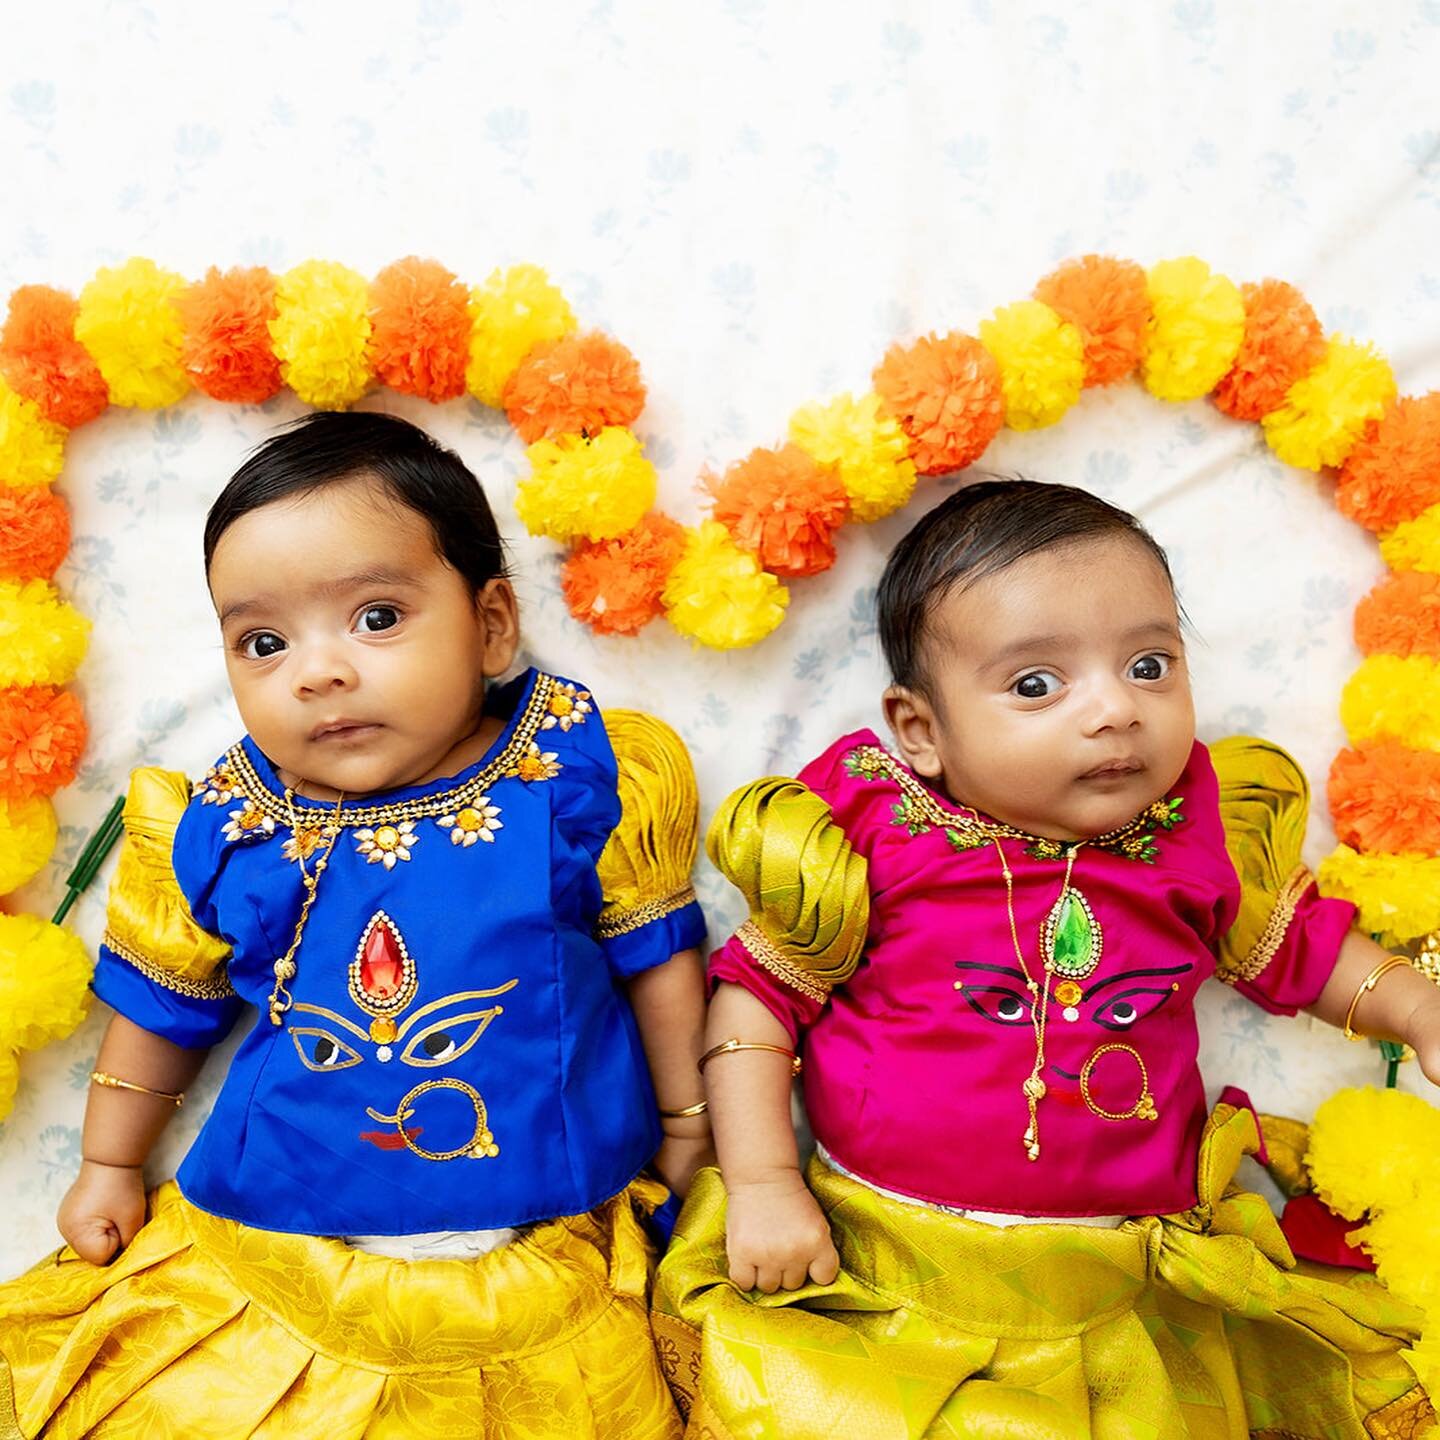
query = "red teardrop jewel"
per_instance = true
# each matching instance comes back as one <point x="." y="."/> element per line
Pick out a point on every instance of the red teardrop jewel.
<point x="382" y="975"/>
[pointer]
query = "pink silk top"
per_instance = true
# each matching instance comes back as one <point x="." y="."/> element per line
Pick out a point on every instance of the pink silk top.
<point x="914" y="1066"/>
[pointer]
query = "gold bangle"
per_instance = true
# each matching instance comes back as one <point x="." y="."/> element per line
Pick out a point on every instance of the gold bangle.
<point x="1368" y="984"/>
<point x="728" y="1047"/>
<point x="699" y="1108"/>
<point x="113" y="1082"/>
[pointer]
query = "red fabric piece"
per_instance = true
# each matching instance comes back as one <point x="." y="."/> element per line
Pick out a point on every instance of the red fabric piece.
<point x="1316" y="1232"/>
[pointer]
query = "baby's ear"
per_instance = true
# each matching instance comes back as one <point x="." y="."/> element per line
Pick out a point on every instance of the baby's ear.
<point x="499" y="615"/>
<point x="911" y="718"/>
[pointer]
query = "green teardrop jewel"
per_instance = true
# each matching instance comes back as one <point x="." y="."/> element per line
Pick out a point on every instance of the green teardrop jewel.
<point x="1071" y="939"/>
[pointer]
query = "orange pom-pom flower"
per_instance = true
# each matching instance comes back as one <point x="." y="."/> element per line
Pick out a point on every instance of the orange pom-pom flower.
<point x="579" y="383"/>
<point x="42" y="360"/>
<point x="1107" y="301"/>
<point x="42" y="736"/>
<point x="1393" y="472"/>
<point x="614" y="586"/>
<point x="1401" y="615"/>
<point x="1283" y="341"/>
<point x="34" y="532"/>
<point x="945" y="392"/>
<point x="226" y="346"/>
<point x="783" y="507"/>
<point x="420" y="329"/>
<point x="1386" y="797"/>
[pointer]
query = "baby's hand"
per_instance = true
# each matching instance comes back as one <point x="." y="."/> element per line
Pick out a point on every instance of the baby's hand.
<point x="776" y="1234"/>
<point x="679" y="1157"/>
<point x="1423" y="1037"/>
<point x="102" y="1210"/>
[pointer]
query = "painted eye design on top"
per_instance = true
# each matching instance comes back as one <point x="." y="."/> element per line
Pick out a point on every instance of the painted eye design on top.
<point x="998" y="1004"/>
<point x="1120" y="1012"/>
<point x="320" y="1050"/>
<point x="448" y="1039"/>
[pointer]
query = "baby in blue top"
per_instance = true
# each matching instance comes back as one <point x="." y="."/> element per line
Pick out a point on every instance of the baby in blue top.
<point x="462" y="913"/>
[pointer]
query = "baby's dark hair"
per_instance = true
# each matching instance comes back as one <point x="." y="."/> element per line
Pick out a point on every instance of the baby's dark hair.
<point x="412" y="468"/>
<point x="981" y="529"/>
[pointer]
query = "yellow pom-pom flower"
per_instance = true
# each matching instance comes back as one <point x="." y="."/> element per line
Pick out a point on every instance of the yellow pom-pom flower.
<point x="1398" y="896"/>
<point x="128" y="322"/>
<point x="869" y="450"/>
<point x="1414" y="544"/>
<point x="1393" y="695"/>
<point x="9" y="1080"/>
<point x="1196" y="325"/>
<point x="512" y="312"/>
<point x="591" y="489"/>
<point x="32" y="450"/>
<point x="42" y="639"/>
<point x="1370" y="1148"/>
<point x="28" y="829"/>
<point x="321" y="333"/>
<point x="1326" y="411"/>
<point x="45" y="974"/>
<point x="1041" y="359"/>
<point x="718" y="595"/>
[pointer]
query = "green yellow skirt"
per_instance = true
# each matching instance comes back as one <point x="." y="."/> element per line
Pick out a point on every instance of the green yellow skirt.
<point x="1167" y="1328"/>
<point x="203" y="1327"/>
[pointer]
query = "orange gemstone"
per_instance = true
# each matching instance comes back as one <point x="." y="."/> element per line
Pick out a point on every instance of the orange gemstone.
<point x="382" y="967"/>
<point x="382" y="1030"/>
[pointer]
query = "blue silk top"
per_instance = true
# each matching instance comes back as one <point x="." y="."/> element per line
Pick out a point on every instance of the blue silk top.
<point x="458" y="1053"/>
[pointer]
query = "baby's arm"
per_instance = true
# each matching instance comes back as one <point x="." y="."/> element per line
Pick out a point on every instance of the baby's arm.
<point x="1403" y="1005"/>
<point x="669" y="1006"/>
<point x="105" y="1206"/>
<point x="776" y="1234"/>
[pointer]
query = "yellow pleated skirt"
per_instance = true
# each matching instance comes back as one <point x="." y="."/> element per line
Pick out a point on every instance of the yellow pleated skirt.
<point x="206" y="1328"/>
<point x="1198" y="1326"/>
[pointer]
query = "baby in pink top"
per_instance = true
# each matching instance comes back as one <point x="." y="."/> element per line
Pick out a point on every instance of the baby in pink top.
<point x="1041" y="881"/>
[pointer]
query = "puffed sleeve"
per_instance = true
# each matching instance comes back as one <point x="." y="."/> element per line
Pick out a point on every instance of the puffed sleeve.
<point x="778" y="843"/>
<point x="1286" y="937"/>
<point x="157" y="966"/>
<point x="650" y="911"/>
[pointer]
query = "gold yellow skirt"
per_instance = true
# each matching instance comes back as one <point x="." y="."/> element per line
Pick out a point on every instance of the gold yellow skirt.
<point x="203" y="1327"/>
<point x="1167" y="1328"/>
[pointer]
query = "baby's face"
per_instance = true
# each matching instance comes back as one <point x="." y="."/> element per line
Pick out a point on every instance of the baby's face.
<point x="1060" y="700"/>
<point x="356" y="654"/>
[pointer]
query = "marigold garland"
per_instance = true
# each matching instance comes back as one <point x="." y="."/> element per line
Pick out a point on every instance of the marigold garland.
<point x="945" y="392"/>
<point x="34" y="532"/>
<point x="420" y="336"/>
<point x="1386" y="796"/>
<point x="1397" y="893"/>
<point x="1393" y="695"/>
<point x="42" y="639"/>
<point x="1326" y="411"/>
<point x="321" y="333"/>
<point x="43" y="361"/>
<point x="128" y="323"/>
<point x="1401" y="615"/>
<point x="1282" y="342"/>
<point x="32" y="448"/>
<point x="1041" y="359"/>
<point x="1393" y="473"/>
<point x="42" y="735"/>
<point x="226" y="348"/>
<point x="615" y="585"/>
<point x="511" y="313"/>
<point x="868" y="450"/>
<point x="717" y="593"/>
<point x="1108" y="302"/>
<point x="591" y="487"/>
<point x="576" y="385"/>
<point x="28" y="831"/>
<point x="1414" y="544"/>
<point x="1196" y="326"/>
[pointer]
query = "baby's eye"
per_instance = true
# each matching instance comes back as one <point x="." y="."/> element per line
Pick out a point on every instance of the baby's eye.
<point x="1036" y="685"/>
<point x="379" y="617"/>
<point x="1150" y="667"/>
<point x="261" y="645"/>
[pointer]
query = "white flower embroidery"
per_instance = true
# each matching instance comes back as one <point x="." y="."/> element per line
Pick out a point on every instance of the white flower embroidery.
<point x="567" y="706"/>
<point x="386" y="844"/>
<point x="248" y="823"/>
<point x="218" y="787"/>
<point x="475" y="822"/>
<point x="536" y="764"/>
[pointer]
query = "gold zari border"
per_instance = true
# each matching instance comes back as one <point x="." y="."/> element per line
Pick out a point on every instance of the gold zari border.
<point x="442" y="803"/>
<point x="1273" y="935"/>
<point x="217" y="989"/>
<point x="622" y="922"/>
<point x="768" y="955"/>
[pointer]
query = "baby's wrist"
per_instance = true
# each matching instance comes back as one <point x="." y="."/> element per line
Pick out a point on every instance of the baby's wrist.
<point x="137" y="1165"/>
<point x="767" y="1178"/>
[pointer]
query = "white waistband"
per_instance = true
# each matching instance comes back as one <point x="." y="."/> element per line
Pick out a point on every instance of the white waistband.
<point x="435" y="1245"/>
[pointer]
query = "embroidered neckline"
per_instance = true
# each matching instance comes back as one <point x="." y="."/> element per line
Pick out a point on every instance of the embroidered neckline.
<point x="508" y="760"/>
<point x="919" y="810"/>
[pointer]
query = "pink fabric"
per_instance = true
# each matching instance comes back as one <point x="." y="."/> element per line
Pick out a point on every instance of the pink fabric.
<point x="915" y="1085"/>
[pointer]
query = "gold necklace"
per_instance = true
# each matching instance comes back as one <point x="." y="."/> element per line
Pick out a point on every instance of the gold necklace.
<point x="1034" y="1087"/>
<point x="285" y="967"/>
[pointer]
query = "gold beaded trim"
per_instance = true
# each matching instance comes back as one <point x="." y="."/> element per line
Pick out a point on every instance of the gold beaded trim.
<point x="622" y="922"/>
<point x="1273" y="935"/>
<point x="442" y="803"/>
<point x="870" y="762"/>
<point x="769" y="956"/>
<point x="217" y="989"/>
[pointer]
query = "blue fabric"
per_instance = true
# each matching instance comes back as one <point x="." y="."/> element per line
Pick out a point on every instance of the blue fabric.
<point x="557" y="1064"/>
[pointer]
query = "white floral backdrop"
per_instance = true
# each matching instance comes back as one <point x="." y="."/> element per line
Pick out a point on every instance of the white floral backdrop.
<point x="756" y="196"/>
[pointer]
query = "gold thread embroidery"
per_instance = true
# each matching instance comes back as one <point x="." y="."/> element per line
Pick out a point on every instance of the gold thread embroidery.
<point x="480" y="1146"/>
<point x="216" y="989"/>
<point x="764" y="951"/>
<point x="1405" y="1418"/>
<point x="455" y="999"/>
<point x="1144" y="1106"/>
<point x="919" y="808"/>
<point x="300" y="1007"/>
<point x="431" y="806"/>
<point x="622" y="922"/>
<point x="1272" y="936"/>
